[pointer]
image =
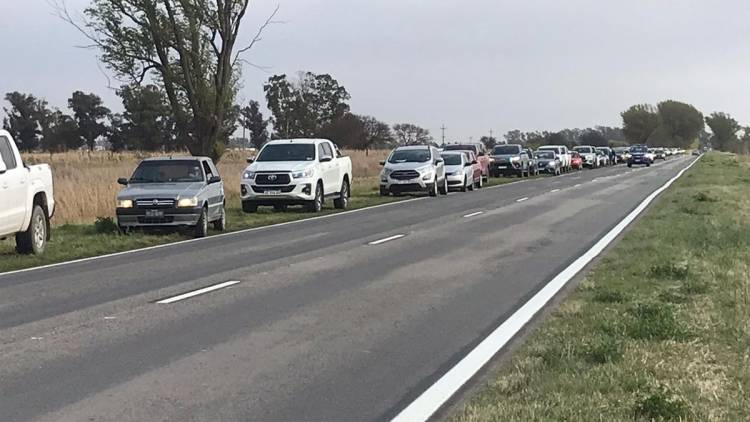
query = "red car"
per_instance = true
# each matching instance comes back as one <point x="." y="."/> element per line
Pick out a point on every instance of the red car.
<point x="576" y="161"/>
<point x="479" y="151"/>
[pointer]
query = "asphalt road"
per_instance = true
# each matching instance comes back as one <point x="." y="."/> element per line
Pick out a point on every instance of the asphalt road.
<point x="322" y="326"/>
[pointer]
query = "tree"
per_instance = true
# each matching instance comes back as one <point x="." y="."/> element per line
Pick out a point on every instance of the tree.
<point x="346" y="131"/>
<point x="60" y="131"/>
<point x="116" y="133"/>
<point x="89" y="114"/>
<point x="252" y="119"/>
<point x="725" y="130"/>
<point x="410" y="134"/>
<point x="594" y="138"/>
<point x="377" y="134"/>
<point x="514" y="137"/>
<point x="679" y="125"/>
<point x="147" y="123"/>
<point x="189" y="47"/>
<point x="639" y="122"/>
<point x="555" y="138"/>
<point x="488" y="142"/>
<point x="303" y="107"/>
<point x="22" y="119"/>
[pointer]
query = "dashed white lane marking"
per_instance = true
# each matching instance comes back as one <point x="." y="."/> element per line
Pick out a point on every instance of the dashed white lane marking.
<point x="554" y="190"/>
<point x="525" y="198"/>
<point x="444" y="388"/>
<point x="387" y="239"/>
<point x="197" y="292"/>
<point x="474" y="214"/>
<point x="578" y="185"/>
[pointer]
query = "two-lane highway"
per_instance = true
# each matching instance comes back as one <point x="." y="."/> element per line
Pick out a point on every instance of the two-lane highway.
<point x="347" y="317"/>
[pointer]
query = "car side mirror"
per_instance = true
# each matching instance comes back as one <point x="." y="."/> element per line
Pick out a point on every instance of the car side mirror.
<point x="3" y="168"/>
<point x="122" y="181"/>
<point x="468" y="163"/>
<point x="382" y="162"/>
<point x="325" y="159"/>
<point x="250" y="160"/>
<point x="214" y="179"/>
<point x="438" y="161"/>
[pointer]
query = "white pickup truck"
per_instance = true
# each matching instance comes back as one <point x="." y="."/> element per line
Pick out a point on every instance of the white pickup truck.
<point x="26" y="199"/>
<point x="296" y="172"/>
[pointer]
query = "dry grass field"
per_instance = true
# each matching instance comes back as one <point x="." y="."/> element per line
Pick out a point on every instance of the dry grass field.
<point x="86" y="184"/>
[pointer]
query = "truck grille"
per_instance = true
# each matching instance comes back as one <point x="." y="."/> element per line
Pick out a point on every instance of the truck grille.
<point x="405" y="175"/>
<point x="272" y="179"/>
<point x="282" y="189"/>
<point x="155" y="203"/>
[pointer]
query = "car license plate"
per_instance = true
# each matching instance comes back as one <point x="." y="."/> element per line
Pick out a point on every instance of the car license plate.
<point x="154" y="213"/>
<point x="272" y="192"/>
<point x="502" y="167"/>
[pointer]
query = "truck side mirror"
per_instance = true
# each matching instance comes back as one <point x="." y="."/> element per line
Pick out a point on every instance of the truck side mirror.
<point x="250" y="160"/>
<point x="214" y="179"/>
<point x="122" y="181"/>
<point x="382" y="162"/>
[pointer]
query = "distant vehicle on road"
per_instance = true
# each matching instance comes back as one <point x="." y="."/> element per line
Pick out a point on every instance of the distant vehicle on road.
<point x="561" y="151"/>
<point x="660" y="154"/>
<point x="479" y="151"/>
<point x="603" y="157"/>
<point x="548" y="161"/>
<point x="639" y="156"/>
<point x="510" y="159"/>
<point x="460" y="171"/>
<point x="532" y="161"/>
<point x="622" y="154"/>
<point x="181" y="192"/>
<point x="476" y="169"/>
<point x="296" y="172"/>
<point x="26" y="199"/>
<point x="576" y="161"/>
<point x="588" y="155"/>
<point x="611" y="157"/>
<point x="417" y="168"/>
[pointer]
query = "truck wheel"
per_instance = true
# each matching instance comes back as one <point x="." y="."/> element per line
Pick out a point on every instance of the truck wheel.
<point x="466" y="184"/>
<point x="316" y="205"/>
<point x="201" y="229"/>
<point x="342" y="202"/>
<point x="34" y="239"/>
<point x="249" y="207"/>
<point x="383" y="191"/>
<point x="221" y="223"/>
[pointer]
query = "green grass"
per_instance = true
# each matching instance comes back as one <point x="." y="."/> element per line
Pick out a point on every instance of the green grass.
<point x="661" y="332"/>
<point x="71" y="242"/>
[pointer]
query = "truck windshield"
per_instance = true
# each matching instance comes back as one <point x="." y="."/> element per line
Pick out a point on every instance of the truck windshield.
<point x="452" y="159"/>
<point x="544" y="154"/>
<point x="168" y="171"/>
<point x="461" y="147"/>
<point x="638" y="150"/>
<point x="287" y="152"/>
<point x="410" y="156"/>
<point x="506" y="150"/>
<point x="584" y="150"/>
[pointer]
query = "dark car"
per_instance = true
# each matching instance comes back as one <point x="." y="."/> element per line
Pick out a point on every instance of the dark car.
<point x="509" y="160"/>
<point x="639" y="156"/>
<point x="548" y="162"/>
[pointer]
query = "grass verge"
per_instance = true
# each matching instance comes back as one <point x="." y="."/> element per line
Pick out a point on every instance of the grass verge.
<point x="75" y="241"/>
<point x="658" y="330"/>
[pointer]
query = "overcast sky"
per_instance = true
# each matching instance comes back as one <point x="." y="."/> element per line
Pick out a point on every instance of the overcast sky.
<point x="473" y="65"/>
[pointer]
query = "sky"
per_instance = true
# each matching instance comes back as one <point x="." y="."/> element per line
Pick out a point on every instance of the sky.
<point x="471" y="65"/>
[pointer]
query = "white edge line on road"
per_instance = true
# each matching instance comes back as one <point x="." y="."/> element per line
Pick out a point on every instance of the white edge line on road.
<point x="387" y="239"/>
<point x="474" y="214"/>
<point x="444" y="388"/>
<point x="554" y="190"/>
<point x="525" y="198"/>
<point x="204" y="290"/>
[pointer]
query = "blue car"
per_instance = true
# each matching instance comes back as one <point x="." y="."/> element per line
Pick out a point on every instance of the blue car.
<point x="639" y="156"/>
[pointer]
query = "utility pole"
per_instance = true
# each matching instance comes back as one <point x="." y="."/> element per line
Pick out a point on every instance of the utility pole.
<point x="490" y="135"/>
<point x="443" y="129"/>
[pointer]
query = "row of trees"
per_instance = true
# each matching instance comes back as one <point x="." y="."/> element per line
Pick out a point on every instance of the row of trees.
<point x="596" y="136"/>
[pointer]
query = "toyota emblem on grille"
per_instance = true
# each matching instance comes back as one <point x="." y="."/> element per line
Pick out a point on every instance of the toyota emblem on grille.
<point x="155" y="202"/>
<point x="272" y="177"/>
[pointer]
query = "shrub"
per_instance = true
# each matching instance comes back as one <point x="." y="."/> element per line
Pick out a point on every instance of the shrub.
<point x="660" y="405"/>
<point x="105" y="225"/>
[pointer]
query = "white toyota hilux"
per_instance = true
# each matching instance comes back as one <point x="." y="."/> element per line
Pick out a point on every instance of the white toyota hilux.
<point x="296" y="172"/>
<point x="26" y="199"/>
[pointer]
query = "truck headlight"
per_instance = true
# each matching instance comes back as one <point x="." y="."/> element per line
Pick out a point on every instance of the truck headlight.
<point x="187" y="202"/>
<point x="308" y="172"/>
<point x="124" y="203"/>
<point x="248" y="175"/>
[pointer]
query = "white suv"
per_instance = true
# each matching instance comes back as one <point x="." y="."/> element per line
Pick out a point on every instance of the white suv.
<point x="418" y="168"/>
<point x="562" y="152"/>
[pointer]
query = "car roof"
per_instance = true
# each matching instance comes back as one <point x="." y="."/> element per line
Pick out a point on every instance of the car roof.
<point x="452" y="152"/>
<point x="297" y="141"/>
<point x="179" y="158"/>
<point x="414" y="147"/>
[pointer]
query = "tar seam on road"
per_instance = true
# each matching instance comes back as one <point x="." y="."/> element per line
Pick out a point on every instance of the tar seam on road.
<point x="387" y="239"/>
<point x="197" y="292"/>
<point x="432" y="399"/>
<point x="474" y="214"/>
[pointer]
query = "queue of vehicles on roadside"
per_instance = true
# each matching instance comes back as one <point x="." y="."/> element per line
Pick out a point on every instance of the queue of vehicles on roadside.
<point x="188" y="193"/>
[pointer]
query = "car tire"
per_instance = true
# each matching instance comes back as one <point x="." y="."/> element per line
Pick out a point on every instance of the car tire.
<point x="444" y="189"/>
<point x="124" y="230"/>
<point x="465" y="186"/>
<point x="434" y="189"/>
<point x="648" y="164"/>
<point x="221" y="224"/>
<point x="249" y="207"/>
<point x="201" y="229"/>
<point x="342" y="202"/>
<point x="480" y="184"/>
<point x="34" y="239"/>
<point x="384" y="192"/>
<point x="316" y="205"/>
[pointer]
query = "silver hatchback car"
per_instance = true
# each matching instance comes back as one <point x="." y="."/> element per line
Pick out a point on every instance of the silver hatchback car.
<point x="173" y="192"/>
